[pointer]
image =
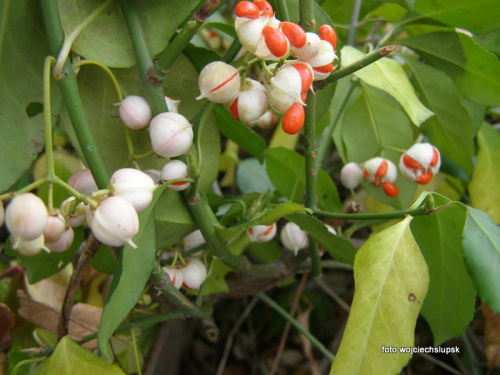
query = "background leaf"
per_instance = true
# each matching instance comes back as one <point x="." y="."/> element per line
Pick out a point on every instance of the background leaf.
<point x="251" y="177"/>
<point x="16" y="95"/>
<point x="107" y="40"/>
<point x="391" y="283"/>
<point x="475" y="71"/>
<point x="69" y="355"/>
<point x="388" y="75"/>
<point x="451" y="130"/>
<point x="450" y="302"/>
<point x="484" y="188"/>
<point x="481" y="244"/>
<point x="134" y="268"/>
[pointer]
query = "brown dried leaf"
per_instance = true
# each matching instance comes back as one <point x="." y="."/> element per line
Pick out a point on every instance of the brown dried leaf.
<point x="8" y="320"/>
<point x="84" y="319"/>
<point x="491" y="337"/>
<point x="303" y="319"/>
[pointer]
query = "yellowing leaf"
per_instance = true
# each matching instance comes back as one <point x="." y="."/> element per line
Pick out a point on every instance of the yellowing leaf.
<point x="391" y="280"/>
<point x="484" y="188"/>
<point x="389" y="76"/>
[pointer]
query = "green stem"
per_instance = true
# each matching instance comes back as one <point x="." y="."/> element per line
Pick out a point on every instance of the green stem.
<point x="311" y="176"/>
<point x="162" y="283"/>
<point x="47" y="117"/>
<point x="354" y="67"/>
<point x="69" y="90"/>
<point x="74" y="192"/>
<point x="150" y="84"/>
<point x="314" y="341"/>
<point x="232" y="51"/>
<point x="175" y="48"/>
<point x="283" y="10"/>
<point x="26" y="189"/>
<point x="107" y="71"/>
<point x="328" y="133"/>
<point x="379" y="216"/>
<point x="351" y="37"/>
<point x="307" y="20"/>
<point x="200" y="215"/>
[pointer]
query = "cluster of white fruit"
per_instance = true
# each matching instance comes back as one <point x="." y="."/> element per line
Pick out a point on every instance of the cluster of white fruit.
<point x="285" y="85"/>
<point x="292" y="237"/>
<point x="418" y="164"/>
<point x="112" y="215"/>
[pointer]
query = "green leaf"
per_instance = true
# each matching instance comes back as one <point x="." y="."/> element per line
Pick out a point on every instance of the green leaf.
<point x="107" y="39"/>
<point x="451" y="130"/>
<point x="104" y="260"/>
<point x="99" y="96"/>
<point x="210" y="150"/>
<point x="449" y="305"/>
<point x="337" y="247"/>
<point x="71" y="358"/>
<point x="286" y="169"/>
<point x="407" y="4"/>
<point x="388" y="75"/>
<point x="490" y="41"/>
<point x="134" y="269"/>
<point x="22" y="54"/>
<point x="482" y="256"/>
<point x="391" y="282"/>
<point x="44" y="264"/>
<point x="251" y="177"/>
<point x="216" y="282"/>
<point x="200" y="56"/>
<point x="484" y="188"/>
<point x="478" y="16"/>
<point x="239" y="133"/>
<point x="475" y="71"/>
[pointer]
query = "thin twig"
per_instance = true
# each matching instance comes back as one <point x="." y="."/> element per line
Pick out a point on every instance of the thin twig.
<point x="230" y="337"/>
<point x="441" y="364"/>
<point x="332" y="294"/>
<point x="293" y="311"/>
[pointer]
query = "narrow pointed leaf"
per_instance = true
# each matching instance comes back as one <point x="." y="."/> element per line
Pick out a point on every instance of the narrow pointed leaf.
<point x="388" y="75"/>
<point x="449" y="305"/>
<point x="391" y="280"/>
<point x="484" y="188"/>
<point x="475" y="70"/>
<point x="134" y="269"/>
<point x="481" y="244"/>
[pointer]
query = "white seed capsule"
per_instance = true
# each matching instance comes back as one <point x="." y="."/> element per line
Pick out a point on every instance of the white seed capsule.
<point x="378" y="170"/>
<point x="74" y="214"/>
<point x="56" y="226"/>
<point x="26" y="216"/>
<point x="28" y="247"/>
<point x="154" y="174"/>
<point x="115" y="222"/>
<point x="172" y="170"/>
<point x="83" y="182"/>
<point x="135" y="112"/>
<point x="195" y="274"/>
<point x="262" y="233"/>
<point x="133" y="185"/>
<point x="172" y="104"/>
<point x="2" y="214"/>
<point x="420" y="162"/>
<point x="193" y="240"/>
<point x="171" y="134"/>
<point x="294" y="238"/>
<point x="310" y="49"/>
<point x="251" y="102"/>
<point x="63" y="243"/>
<point x="219" y="82"/>
<point x="176" y="276"/>
<point x="351" y="175"/>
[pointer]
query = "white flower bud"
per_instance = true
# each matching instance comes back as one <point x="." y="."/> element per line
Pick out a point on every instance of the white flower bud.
<point x="27" y="247"/>
<point x="176" y="276"/>
<point x="251" y="102"/>
<point x="56" y="226"/>
<point x="351" y="175"/>
<point x="135" y="112"/>
<point x="74" y="214"/>
<point x="195" y="274"/>
<point x="262" y="233"/>
<point x="115" y="222"/>
<point x="294" y="238"/>
<point x="26" y="216"/>
<point x="171" y="134"/>
<point x="172" y="170"/>
<point x="219" y="82"/>
<point x="63" y="243"/>
<point x="133" y="185"/>
<point x="193" y="240"/>
<point x="83" y="182"/>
